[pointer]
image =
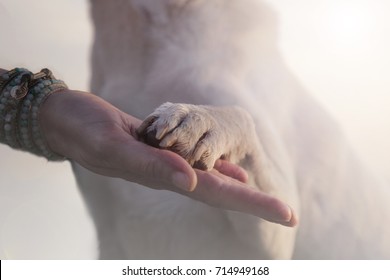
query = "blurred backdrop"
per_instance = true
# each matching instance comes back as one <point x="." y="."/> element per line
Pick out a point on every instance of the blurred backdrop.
<point x="339" y="49"/>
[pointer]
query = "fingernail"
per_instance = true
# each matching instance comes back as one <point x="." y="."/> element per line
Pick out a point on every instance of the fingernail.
<point x="293" y="221"/>
<point x="289" y="217"/>
<point x="181" y="181"/>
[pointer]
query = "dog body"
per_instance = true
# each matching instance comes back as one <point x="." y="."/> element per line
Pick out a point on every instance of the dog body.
<point x="221" y="54"/>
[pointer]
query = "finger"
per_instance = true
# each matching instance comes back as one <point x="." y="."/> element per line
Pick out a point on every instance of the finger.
<point x="220" y="191"/>
<point x="154" y="167"/>
<point x="232" y="170"/>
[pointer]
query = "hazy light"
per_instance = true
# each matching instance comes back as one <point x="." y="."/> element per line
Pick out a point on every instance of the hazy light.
<point x="350" y="24"/>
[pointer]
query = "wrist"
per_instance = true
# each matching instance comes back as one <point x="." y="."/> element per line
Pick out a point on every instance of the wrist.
<point x="52" y="121"/>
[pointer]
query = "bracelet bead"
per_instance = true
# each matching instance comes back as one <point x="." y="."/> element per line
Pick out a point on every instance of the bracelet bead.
<point x="21" y="95"/>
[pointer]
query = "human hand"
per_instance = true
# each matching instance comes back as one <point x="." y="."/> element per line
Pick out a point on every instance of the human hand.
<point x="223" y="191"/>
<point x="103" y="139"/>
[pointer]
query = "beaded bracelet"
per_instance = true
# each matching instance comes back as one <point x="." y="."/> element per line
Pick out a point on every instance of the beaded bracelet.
<point x="21" y="95"/>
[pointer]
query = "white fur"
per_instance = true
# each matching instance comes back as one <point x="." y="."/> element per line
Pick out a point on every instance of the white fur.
<point x="223" y="53"/>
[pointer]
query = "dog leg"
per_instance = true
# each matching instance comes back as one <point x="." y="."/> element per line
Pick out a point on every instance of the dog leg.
<point x="203" y="134"/>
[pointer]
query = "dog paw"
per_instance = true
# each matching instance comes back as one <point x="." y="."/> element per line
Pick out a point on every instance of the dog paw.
<point x="188" y="130"/>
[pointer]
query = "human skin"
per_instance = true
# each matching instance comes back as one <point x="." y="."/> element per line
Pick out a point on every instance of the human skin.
<point x="86" y="129"/>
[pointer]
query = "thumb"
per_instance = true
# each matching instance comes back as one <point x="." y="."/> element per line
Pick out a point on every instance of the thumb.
<point x="159" y="169"/>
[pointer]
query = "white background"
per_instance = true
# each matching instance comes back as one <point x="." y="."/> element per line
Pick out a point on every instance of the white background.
<point x="194" y="269"/>
<point x="339" y="49"/>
